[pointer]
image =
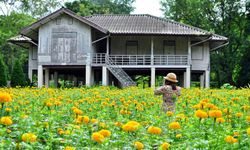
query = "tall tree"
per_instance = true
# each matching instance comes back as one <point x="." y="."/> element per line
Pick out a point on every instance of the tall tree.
<point x="225" y="17"/>
<point x="17" y="75"/>
<point x="89" y="7"/>
<point x="3" y="75"/>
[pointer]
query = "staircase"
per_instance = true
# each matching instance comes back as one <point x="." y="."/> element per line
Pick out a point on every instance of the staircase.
<point x="119" y="73"/>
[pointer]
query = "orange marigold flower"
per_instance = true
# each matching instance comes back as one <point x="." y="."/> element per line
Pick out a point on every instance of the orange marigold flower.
<point x="86" y="119"/>
<point x="230" y="139"/>
<point x="6" y="121"/>
<point x="201" y="114"/>
<point x="220" y="120"/>
<point x="154" y="130"/>
<point x="29" y="137"/>
<point x="99" y="138"/>
<point x="77" y="111"/>
<point x="5" y="97"/>
<point x="105" y="133"/>
<point x="165" y="146"/>
<point x="118" y="124"/>
<point x="169" y="113"/>
<point x="174" y="125"/>
<point x="94" y="120"/>
<point x="138" y="145"/>
<point x="215" y="113"/>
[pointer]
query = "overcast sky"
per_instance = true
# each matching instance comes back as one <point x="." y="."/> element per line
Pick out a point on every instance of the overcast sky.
<point x="151" y="7"/>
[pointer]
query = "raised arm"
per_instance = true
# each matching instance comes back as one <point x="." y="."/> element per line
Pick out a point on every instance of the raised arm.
<point x="159" y="90"/>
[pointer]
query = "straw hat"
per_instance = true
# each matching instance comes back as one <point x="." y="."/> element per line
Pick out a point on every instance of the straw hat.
<point x="171" y="77"/>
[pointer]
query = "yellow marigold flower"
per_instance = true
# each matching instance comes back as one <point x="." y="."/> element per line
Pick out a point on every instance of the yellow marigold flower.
<point x="103" y="125"/>
<point x="29" y="137"/>
<point x="220" y="120"/>
<point x="86" y="119"/>
<point x="165" y="146"/>
<point x="24" y="116"/>
<point x="60" y="131"/>
<point x="105" y="133"/>
<point x="239" y="114"/>
<point x="230" y="139"/>
<point x="69" y="148"/>
<point x="8" y="131"/>
<point x="5" y="97"/>
<point x="94" y="120"/>
<point x="248" y="118"/>
<point x="131" y="126"/>
<point x="8" y="109"/>
<point x="169" y="113"/>
<point x="215" y="113"/>
<point x="118" y="124"/>
<point x="201" y="114"/>
<point x="77" y="111"/>
<point x="48" y="104"/>
<point x="226" y="111"/>
<point x="154" y="130"/>
<point x="6" y="121"/>
<point x="248" y="131"/>
<point x="174" y="125"/>
<point x="138" y="145"/>
<point x="178" y="136"/>
<point x="236" y="133"/>
<point x="96" y="136"/>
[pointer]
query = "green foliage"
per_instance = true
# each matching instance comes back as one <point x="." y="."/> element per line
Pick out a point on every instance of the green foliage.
<point x="3" y="75"/>
<point x="228" y="86"/>
<point x="90" y="7"/>
<point x="17" y="75"/>
<point x="228" y="18"/>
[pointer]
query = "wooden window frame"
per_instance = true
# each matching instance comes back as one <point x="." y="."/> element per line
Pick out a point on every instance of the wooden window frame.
<point x="202" y="50"/>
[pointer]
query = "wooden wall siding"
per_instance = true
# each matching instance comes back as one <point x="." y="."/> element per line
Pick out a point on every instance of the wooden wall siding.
<point x="118" y="44"/>
<point x="64" y="40"/>
<point x="202" y="64"/>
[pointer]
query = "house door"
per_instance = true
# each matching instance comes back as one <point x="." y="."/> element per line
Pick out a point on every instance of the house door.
<point x="63" y="47"/>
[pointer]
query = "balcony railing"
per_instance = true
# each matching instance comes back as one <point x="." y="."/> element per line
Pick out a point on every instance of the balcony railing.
<point x="122" y="60"/>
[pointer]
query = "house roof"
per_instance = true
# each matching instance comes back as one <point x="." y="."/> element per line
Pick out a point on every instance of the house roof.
<point x="22" y="41"/>
<point x="147" y="24"/>
<point x="33" y="27"/>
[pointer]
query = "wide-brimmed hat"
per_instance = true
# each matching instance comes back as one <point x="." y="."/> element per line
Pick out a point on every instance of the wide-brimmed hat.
<point x="171" y="77"/>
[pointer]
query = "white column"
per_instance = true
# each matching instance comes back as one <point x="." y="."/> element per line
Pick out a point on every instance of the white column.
<point x="207" y="79"/>
<point x="152" y="77"/>
<point x="47" y="77"/>
<point x="56" y="78"/>
<point x="104" y="76"/>
<point x="152" y="50"/>
<point x="189" y="52"/>
<point x="187" y="76"/>
<point x="30" y="74"/>
<point x="202" y="79"/>
<point x="107" y="46"/>
<point x="88" y="75"/>
<point x="40" y="76"/>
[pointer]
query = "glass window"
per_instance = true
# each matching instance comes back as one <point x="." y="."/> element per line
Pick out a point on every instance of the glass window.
<point x="197" y="52"/>
<point x="169" y="48"/>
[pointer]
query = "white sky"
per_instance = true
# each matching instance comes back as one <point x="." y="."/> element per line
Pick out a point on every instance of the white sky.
<point x="151" y="7"/>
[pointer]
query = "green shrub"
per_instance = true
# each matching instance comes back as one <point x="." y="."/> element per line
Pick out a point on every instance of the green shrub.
<point x="3" y="75"/>
<point x="17" y="75"/>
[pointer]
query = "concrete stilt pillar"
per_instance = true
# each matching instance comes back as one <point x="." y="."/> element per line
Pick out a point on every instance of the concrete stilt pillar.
<point x="40" y="76"/>
<point x="104" y="76"/>
<point x="47" y="77"/>
<point x="207" y="79"/>
<point x="30" y="74"/>
<point x="152" y="77"/>
<point x="187" y="77"/>
<point x="88" y="75"/>
<point x="202" y="79"/>
<point x="56" y="78"/>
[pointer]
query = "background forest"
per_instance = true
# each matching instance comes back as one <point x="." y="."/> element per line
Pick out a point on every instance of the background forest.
<point x="230" y="18"/>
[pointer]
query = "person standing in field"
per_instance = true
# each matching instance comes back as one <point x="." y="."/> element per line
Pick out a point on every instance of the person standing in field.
<point x="169" y="91"/>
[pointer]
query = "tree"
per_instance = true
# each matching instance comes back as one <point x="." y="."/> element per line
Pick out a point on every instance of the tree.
<point x="3" y="75"/>
<point x="90" y="7"/>
<point x="17" y="75"/>
<point x="224" y="17"/>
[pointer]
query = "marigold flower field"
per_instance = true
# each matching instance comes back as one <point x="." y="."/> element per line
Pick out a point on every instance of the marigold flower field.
<point x="131" y="118"/>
